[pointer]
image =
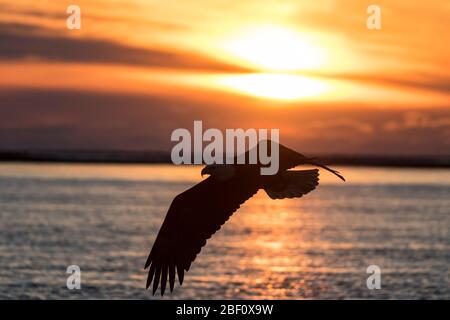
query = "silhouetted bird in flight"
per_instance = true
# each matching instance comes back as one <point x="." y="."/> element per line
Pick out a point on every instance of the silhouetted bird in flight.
<point x="197" y="213"/>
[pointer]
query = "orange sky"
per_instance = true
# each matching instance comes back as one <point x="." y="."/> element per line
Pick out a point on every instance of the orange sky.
<point x="308" y="57"/>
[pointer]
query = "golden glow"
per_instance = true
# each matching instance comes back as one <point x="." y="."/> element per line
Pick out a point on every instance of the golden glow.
<point x="275" y="86"/>
<point x="280" y="37"/>
<point x="274" y="48"/>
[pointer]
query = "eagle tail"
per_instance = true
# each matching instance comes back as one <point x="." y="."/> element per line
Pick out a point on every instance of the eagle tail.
<point x="320" y="165"/>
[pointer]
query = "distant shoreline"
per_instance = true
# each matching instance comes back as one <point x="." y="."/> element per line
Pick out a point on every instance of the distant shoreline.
<point x="155" y="157"/>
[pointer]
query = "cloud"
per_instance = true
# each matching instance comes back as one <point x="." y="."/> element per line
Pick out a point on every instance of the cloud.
<point x="342" y="123"/>
<point x="435" y="83"/>
<point x="21" y="41"/>
<point x="46" y="119"/>
<point x="419" y="120"/>
<point x="59" y="15"/>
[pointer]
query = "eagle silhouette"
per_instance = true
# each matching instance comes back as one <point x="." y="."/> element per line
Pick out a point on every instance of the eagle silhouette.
<point x="197" y="213"/>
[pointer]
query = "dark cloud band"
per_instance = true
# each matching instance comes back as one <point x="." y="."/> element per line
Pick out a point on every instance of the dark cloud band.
<point x="20" y="41"/>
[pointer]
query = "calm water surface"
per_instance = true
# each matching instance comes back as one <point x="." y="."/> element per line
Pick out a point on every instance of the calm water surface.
<point x="104" y="219"/>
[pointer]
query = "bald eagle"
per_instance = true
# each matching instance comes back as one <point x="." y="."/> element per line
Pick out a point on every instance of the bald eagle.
<point x="197" y="213"/>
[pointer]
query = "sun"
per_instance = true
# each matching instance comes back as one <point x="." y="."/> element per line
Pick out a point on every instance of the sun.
<point x="278" y="55"/>
<point x="275" y="86"/>
<point x="275" y="49"/>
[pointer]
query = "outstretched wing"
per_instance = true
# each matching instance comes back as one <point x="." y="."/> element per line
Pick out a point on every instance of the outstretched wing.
<point x="193" y="217"/>
<point x="292" y="184"/>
